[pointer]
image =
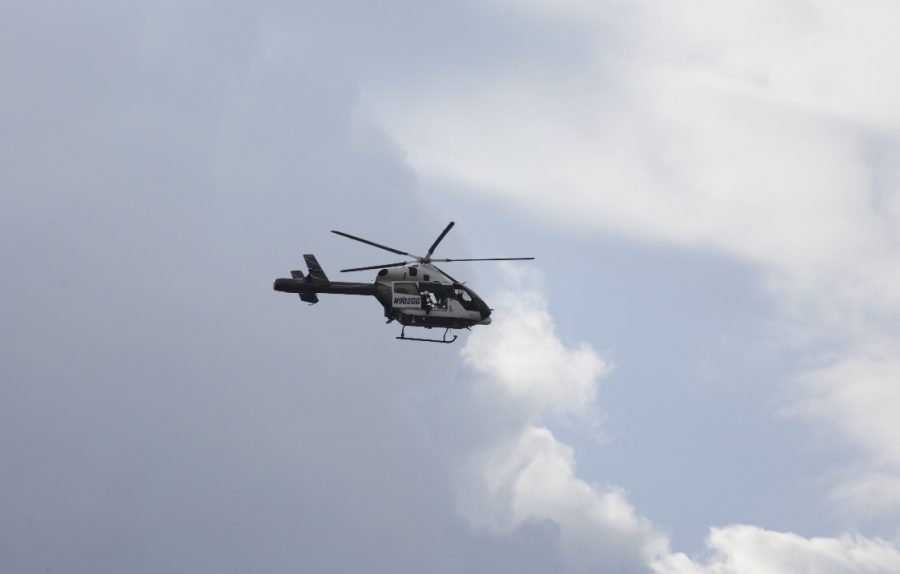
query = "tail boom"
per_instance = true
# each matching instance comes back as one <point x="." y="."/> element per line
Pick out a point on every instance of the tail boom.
<point x="317" y="282"/>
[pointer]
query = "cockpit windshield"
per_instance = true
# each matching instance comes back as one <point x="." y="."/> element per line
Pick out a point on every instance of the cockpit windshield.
<point x="469" y="299"/>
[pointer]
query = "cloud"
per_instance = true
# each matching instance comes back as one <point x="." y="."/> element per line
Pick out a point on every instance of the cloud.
<point x="530" y="477"/>
<point x="526" y="358"/>
<point x="525" y="475"/>
<point x="751" y="550"/>
<point x="165" y="411"/>
<point x="762" y="130"/>
<point x="858" y="392"/>
<point x="522" y="473"/>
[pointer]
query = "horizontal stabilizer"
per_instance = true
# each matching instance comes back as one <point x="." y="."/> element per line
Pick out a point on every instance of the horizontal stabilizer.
<point x="315" y="270"/>
<point x="297" y="274"/>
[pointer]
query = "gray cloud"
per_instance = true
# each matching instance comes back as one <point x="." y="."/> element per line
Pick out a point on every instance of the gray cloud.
<point x="163" y="409"/>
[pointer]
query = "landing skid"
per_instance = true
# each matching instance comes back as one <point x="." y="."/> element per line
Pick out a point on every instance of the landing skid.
<point x="403" y="337"/>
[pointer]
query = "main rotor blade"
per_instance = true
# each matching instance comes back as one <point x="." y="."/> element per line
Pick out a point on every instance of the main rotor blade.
<point x="450" y="277"/>
<point x="438" y="240"/>
<point x="486" y="259"/>
<point x="372" y="243"/>
<point x="401" y="264"/>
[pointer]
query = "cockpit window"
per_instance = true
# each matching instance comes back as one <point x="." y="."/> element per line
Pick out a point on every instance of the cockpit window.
<point x="464" y="297"/>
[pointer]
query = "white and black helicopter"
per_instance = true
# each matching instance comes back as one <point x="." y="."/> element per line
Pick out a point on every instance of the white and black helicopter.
<point x="415" y="293"/>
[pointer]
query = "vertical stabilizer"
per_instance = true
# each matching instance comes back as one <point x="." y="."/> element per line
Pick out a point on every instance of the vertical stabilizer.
<point x="315" y="270"/>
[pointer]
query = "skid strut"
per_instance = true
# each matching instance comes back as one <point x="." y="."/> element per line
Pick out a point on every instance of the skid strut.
<point x="445" y="340"/>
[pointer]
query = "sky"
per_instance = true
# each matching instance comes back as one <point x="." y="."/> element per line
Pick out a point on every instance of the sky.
<point x="697" y="374"/>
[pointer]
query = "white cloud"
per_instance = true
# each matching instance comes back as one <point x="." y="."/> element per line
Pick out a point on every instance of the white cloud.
<point x="526" y="359"/>
<point x="530" y="477"/>
<point x="765" y="130"/>
<point x="526" y="474"/>
<point x="750" y="550"/>
<point x="860" y="395"/>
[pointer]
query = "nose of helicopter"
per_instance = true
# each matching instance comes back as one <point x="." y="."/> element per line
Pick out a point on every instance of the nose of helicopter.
<point x="485" y="321"/>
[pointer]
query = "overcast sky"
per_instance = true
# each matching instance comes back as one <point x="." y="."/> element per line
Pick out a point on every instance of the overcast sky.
<point x="698" y="375"/>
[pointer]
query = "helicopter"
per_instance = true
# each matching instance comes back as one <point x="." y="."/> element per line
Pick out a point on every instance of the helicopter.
<point x="415" y="292"/>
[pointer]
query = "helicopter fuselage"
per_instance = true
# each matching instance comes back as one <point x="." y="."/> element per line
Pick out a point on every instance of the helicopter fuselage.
<point x="417" y="295"/>
<point x="414" y="292"/>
